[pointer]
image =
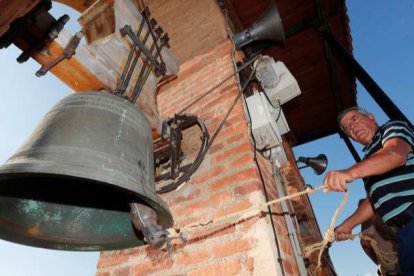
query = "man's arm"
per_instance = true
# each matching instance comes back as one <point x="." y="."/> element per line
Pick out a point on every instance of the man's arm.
<point x="392" y="155"/>
<point x="362" y="214"/>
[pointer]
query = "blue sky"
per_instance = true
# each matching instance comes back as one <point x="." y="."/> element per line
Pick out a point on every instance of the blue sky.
<point x="24" y="99"/>
<point x="383" y="43"/>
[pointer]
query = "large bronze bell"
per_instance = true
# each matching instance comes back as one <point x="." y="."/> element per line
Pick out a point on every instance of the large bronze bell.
<point x="71" y="183"/>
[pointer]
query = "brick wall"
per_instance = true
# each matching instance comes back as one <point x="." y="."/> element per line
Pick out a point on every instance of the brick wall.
<point x="227" y="181"/>
<point x="309" y="231"/>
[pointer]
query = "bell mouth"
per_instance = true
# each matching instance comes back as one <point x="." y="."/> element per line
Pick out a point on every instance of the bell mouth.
<point x="66" y="213"/>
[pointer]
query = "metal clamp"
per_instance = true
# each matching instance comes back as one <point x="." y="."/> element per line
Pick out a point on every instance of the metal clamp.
<point x="67" y="53"/>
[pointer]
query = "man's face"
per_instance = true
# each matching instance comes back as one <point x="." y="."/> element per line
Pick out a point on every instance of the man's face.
<point x="359" y="127"/>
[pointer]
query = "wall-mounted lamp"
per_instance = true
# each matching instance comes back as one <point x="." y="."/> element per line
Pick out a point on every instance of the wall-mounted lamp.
<point x="318" y="163"/>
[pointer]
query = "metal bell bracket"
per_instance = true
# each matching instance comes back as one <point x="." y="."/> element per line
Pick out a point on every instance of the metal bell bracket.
<point x="67" y="53"/>
<point x="159" y="40"/>
<point x="168" y="154"/>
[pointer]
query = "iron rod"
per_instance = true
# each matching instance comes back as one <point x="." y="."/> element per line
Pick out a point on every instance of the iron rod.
<point x="134" y="63"/>
<point x="153" y="34"/>
<point x="121" y="88"/>
<point x="351" y="148"/>
<point x="380" y="97"/>
<point x="143" y="76"/>
<point x="128" y="31"/>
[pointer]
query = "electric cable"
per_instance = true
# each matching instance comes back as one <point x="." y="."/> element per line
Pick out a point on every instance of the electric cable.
<point x="239" y="69"/>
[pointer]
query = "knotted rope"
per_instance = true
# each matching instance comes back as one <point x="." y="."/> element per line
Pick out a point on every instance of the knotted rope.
<point x="387" y="258"/>
<point x="258" y="209"/>
<point x="329" y="236"/>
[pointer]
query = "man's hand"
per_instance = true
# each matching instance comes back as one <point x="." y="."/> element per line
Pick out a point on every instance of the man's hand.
<point x="342" y="232"/>
<point x="337" y="180"/>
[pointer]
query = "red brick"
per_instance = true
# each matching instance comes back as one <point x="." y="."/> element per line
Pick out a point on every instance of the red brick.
<point x="286" y="246"/>
<point x="124" y="271"/>
<point x="111" y="261"/>
<point x="230" y="131"/>
<point x="213" y="104"/>
<point x="188" y="70"/>
<point x="215" y="171"/>
<point x="229" y="85"/>
<point x="231" y="248"/>
<point x="242" y="161"/>
<point x="223" y="156"/>
<point x="213" y="122"/>
<point x="174" y="201"/>
<point x="247" y="188"/>
<point x="237" y="137"/>
<point x="288" y="267"/>
<point x="238" y="108"/>
<point x="202" y="61"/>
<point x="238" y="206"/>
<point x="212" y="201"/>
<point x="182" y="212"/>
<point x="136" y="251"/>
<point x="152" y="266"/>
<point x="215" y="148"/>
<point x="192" y="257"/>
<point x="103" y="274"/>
<point x="206" y="116"/>
<point x="228" y="268"/>
<point x="234" y="119"/>
<point x="242" y="176"/>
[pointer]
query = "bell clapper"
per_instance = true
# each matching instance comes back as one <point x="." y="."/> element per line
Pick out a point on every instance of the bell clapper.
<point x="145" y="220"/>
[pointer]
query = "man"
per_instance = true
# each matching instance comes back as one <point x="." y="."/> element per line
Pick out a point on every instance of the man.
<point x="388" y="173"/>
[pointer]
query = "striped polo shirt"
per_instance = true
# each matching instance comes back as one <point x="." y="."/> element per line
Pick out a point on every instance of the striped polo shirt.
<point x="392" y="192"/>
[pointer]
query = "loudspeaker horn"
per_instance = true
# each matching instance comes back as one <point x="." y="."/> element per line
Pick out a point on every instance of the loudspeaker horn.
<point x="318" y="163"/>
<point x="268" y="27"/>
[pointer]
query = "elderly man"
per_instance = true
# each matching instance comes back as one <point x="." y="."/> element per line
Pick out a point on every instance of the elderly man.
<point x="388" y="173"/>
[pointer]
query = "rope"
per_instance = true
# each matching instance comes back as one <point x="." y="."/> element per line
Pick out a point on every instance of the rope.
<point x="329" y="236"/>
<point x="387" y="258"/>
<point x="256" y="210"/>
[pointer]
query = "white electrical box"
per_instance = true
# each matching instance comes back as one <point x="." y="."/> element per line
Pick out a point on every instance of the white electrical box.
<point x="276" y="80"/>
<point x="281" y="121"/>
<point x="267" y="121"/>
<point x="278" y="155"/>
